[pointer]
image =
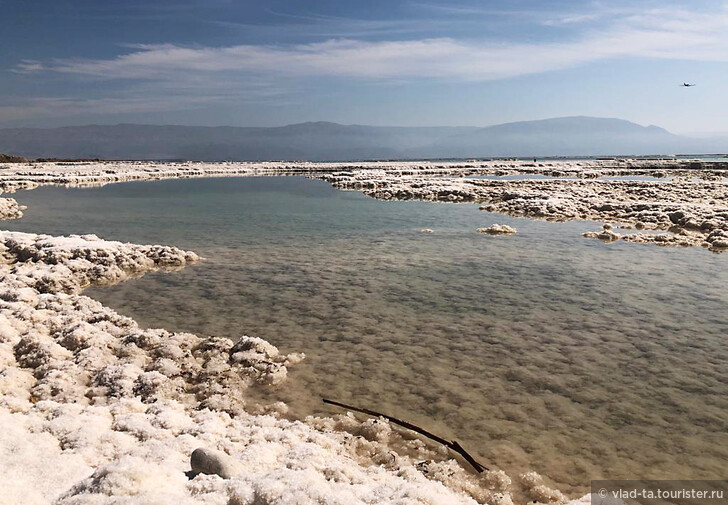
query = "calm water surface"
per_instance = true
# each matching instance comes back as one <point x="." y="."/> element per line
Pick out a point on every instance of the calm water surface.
<point x="542" y="350"/>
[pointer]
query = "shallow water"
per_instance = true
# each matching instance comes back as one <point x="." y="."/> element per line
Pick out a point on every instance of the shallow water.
<point x="539" y="351"/>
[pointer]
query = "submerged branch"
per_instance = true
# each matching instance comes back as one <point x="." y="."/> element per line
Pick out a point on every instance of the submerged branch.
<point x="454" y="445"/>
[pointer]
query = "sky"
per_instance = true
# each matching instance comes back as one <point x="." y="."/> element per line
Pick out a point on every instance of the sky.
<point x="376" y="62"/>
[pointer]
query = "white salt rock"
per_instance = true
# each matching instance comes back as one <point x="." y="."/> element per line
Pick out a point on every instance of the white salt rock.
<point x="211" y="462"/>
<point x="498" y="229"/>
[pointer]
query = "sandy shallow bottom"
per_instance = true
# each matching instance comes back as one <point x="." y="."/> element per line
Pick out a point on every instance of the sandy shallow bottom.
<point x="539" y="351"/>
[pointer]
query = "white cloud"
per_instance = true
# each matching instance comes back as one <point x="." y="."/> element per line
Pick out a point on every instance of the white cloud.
<point x="28" y="67"/>
<point x="673" y="34"/>
<point x="570" y="19"/>
<point x="172" y="77"/>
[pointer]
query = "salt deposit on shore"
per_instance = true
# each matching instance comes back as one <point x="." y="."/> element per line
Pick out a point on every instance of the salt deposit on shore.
<point x="688" y="200"/>
<point x="94" y="408"/>
<point x="693" y="212"/>
<point x="9" y="209"/>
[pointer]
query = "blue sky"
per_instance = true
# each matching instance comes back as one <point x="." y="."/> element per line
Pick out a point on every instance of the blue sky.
<point x="423" y="62"/>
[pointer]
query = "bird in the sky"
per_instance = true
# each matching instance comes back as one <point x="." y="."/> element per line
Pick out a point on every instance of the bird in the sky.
<point x="686" y="85"/>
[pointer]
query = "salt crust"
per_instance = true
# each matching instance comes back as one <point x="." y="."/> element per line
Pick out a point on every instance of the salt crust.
<point x="686" y="199"/>
<point x="95" y="409"/>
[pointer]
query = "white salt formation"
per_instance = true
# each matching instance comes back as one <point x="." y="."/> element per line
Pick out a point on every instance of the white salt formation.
<point x="212" y="462"/>
<point x="693" y="209"/>
<point x="69" y="264"/>
<point x="9" y="209"/>
<point x="672" y="195"/>
<point x="96" y="410"/>
<point x="497" y="229"/>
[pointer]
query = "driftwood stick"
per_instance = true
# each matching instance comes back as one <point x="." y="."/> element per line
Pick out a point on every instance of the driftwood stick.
<point x="454" y="445"/>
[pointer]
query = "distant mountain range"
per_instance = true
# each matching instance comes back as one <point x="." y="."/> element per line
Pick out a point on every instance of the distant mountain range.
<point x="567" y="136"/>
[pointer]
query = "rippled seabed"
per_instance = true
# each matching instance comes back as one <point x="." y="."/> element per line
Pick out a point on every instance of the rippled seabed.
<point x="541" y="350"/>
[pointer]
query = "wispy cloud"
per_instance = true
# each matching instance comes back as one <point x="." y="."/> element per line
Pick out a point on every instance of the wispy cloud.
<point x="145" y="97"/>
<point x="28" y="67"/>
<point x="174" y="77"/>
<point x="319" y="27"/>
<point x="469" y="10"/>
<point x="672" y="34"/>
<point x="571" y="19"/>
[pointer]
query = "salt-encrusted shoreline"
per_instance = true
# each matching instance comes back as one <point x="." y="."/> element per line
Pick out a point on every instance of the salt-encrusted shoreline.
<point x="96" y="409"/>
<point x="687" y="200"/>
<point x="691" y="208"/>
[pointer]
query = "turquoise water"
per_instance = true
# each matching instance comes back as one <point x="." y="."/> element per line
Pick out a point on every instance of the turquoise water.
<point x="539" y="351"/>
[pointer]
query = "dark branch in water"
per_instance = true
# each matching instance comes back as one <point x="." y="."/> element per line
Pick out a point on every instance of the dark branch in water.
<point x="454" y="445"/>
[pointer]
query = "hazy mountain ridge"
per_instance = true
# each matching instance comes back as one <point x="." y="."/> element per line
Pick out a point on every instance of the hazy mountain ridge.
<point x="568" y="136"/>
